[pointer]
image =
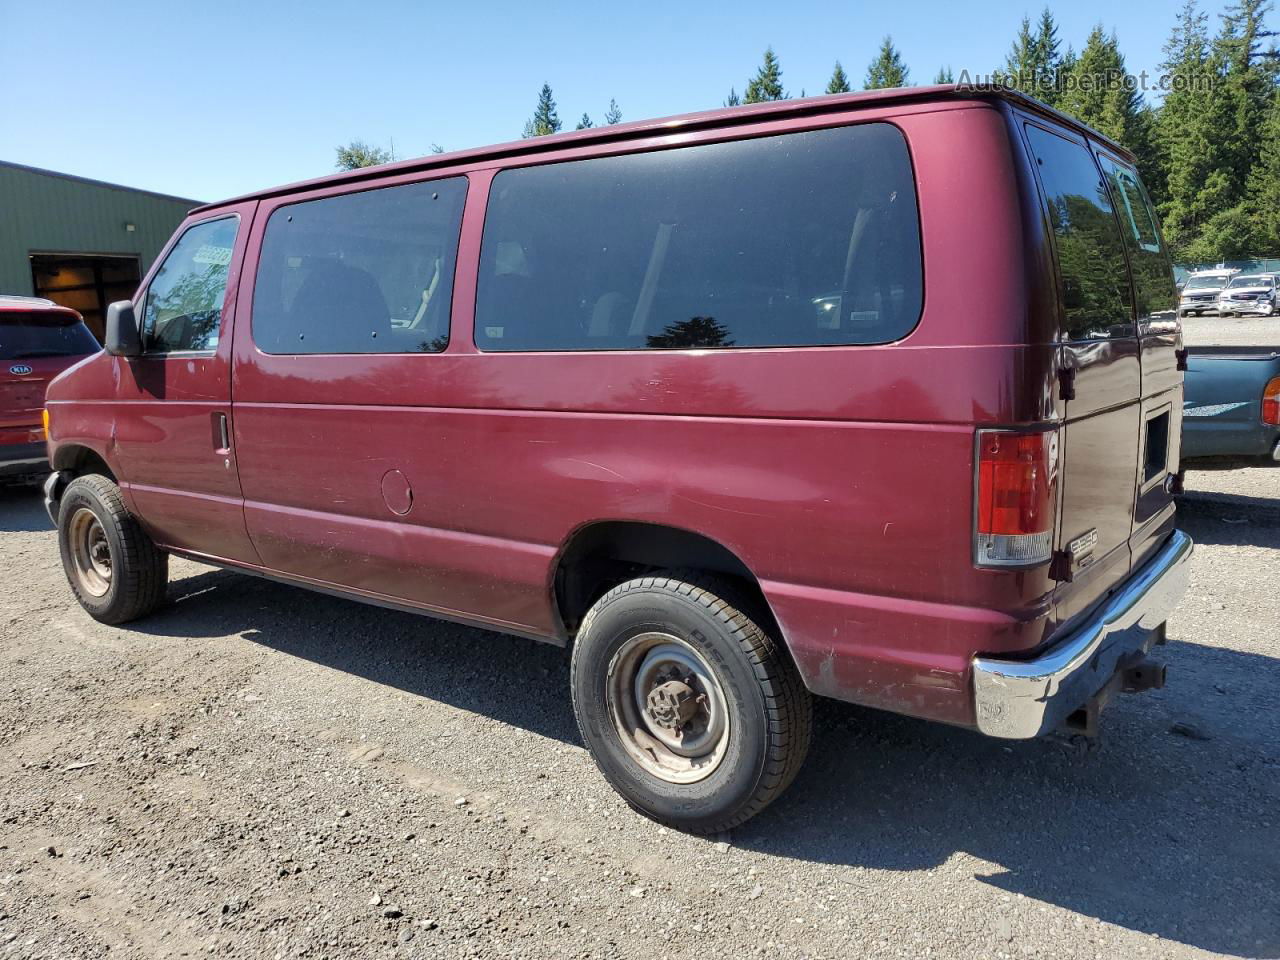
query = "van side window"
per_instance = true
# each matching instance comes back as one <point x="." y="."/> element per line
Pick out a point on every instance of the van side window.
<point x="802" y="239"/>
<point x="1095" y="282"/>
<point x="368" y="272"/>
<point x="183" y="305"/>
<point x="1153" y="283"/>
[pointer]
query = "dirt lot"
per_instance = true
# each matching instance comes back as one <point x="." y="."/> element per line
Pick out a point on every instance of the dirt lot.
<point x="1231" y="331"/>
<point x="262" y="772"/>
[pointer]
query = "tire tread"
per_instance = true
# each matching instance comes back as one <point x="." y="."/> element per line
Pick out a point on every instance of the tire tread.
<point x="788" y="703"/>
<point x="141" y="575"/>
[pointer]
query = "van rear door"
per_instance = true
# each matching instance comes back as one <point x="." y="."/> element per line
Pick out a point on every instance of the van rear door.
<point x="1100" y="379"/>
<point x="1160" y="338"/>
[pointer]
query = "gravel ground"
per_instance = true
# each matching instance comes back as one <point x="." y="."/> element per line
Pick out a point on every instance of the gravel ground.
<point x="257" y="771"/>
<point x="1231" y="331"/>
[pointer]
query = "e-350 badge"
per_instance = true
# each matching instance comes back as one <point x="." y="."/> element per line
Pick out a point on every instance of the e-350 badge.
<point x="1083" y="545"/>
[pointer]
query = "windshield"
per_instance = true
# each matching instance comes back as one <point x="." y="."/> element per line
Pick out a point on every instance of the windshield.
<point x="24" y="337"/>
<point x="1206" y="283"/>
<point x="1251" y="282"/>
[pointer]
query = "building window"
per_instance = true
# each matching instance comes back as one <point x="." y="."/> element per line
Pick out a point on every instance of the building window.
<point x="85" y="283"/>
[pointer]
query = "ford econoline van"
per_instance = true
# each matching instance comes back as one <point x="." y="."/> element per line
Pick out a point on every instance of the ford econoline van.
<point x="873" y="396"/>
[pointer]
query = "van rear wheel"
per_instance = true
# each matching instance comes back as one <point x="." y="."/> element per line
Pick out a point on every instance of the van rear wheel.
<point x="690" y="709"/>
<point x="114" y="569"/>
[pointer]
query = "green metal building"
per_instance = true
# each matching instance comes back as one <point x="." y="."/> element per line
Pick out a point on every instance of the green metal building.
<point x="79" y="242"/>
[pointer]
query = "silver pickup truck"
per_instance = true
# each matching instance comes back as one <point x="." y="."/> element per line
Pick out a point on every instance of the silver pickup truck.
<point x="1231" y="407"/>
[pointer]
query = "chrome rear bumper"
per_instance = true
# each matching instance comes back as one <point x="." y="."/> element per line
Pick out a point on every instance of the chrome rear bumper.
<point x="1020" y="699"/>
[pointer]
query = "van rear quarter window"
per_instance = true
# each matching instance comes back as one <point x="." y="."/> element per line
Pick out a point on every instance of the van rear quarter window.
<point x="1095" y="281"/>
<point x="368" y="272"/>
<point x="795" y="240"/>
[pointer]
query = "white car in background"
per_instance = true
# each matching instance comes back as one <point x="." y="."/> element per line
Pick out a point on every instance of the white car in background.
<point x="1253" y="293"/>
<point x="1200" y="292"/>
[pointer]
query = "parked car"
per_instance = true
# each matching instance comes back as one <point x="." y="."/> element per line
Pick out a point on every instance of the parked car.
<point x="1231" y="412"/>
<point x="1200" y="293"/>
<point x="38" y="340"/>
<point x="710" y="399"/>
<point x="1253" y="293"/>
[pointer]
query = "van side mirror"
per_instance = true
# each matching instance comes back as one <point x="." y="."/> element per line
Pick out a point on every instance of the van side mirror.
<point x="123" y="337"/>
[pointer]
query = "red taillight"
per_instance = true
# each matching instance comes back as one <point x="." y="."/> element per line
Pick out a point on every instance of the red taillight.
<point x="1271" y="402"/>
<point x="1017" y="475"/>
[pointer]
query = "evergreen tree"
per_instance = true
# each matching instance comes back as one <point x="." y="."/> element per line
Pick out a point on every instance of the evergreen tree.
<point x="1047" y="63"/>
<point x="1263" y="188"/>
<point x="1033" y="63"/>
<point x="585" y="123"/>
<point x="545" y="120"/>
<point x="767" y="83"/>
<point x="839" y="83"/>
<point x="613" y="114"/>
<point x="1066" y="66"/>
<point x="945" y="75"/>
<point x="1238" y="107"/>
<point x="1097" y="92"/>
<point x="358" y="154"/>
<point x="732" y="100"/>
<point x="1248" y="85"/>
<point x="1019" y="65"/>
<point x="1190" y="183"/>
<point x="887" y="69"/>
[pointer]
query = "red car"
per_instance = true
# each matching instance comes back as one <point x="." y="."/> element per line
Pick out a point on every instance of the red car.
<point x="873" y="397"/>
<point x="38" y="340"/>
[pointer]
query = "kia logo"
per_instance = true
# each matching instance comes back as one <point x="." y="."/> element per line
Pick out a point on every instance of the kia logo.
<point x="20" y="369"/>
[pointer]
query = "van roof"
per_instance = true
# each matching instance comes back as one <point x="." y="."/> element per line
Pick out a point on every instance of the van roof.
<point x="725" y="116"/>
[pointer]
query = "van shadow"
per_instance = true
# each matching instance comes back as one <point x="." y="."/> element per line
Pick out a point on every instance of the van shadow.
<point x="1231" y="520"/>
<point x="22" y="509"/>
<point x="1155" y="832"/>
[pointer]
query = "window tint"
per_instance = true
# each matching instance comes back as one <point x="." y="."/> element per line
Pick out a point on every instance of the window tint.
<point x="1095" y="282"/>
<point x="368" y="272"/>
<point x="1153" y="282"/>
<point x="183" y="307"/>
<point x="25" y="336"/>
<point x="802" y="239"/>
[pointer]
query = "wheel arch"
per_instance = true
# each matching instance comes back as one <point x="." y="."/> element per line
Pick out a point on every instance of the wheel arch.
<point x="599" y="555"/>
<point x="79" y="459"/>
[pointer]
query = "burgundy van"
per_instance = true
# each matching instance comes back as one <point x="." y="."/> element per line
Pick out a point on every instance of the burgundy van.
<point x="874" y="397"/>
<point x="38" y="340"/>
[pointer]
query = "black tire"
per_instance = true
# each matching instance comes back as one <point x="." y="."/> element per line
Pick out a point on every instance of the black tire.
<point x="768" y="709"/>
<point x="138" y="571"/>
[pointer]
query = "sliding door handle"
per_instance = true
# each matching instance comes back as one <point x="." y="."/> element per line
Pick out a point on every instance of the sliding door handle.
<point x="221" y="434"/>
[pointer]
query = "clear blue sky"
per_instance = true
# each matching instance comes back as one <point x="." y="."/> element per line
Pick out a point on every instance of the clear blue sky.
<point x="213" y="99"/>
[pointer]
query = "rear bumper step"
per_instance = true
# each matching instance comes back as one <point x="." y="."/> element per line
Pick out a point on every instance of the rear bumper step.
<point x="1021" y="699"/>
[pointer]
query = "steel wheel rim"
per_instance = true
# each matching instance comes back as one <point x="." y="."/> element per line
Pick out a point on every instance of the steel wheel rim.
<point x="667" y="707"/>
<point x="90" y="552"/>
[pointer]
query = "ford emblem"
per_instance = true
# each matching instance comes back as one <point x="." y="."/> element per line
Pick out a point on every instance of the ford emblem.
<point x="20" y="369"/>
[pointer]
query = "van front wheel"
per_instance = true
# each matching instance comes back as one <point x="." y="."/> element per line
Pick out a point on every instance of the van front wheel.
<point x="114" y="569"/>
<point x="690" y="709"/>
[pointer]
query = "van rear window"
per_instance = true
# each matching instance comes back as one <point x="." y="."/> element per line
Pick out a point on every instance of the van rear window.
<point x="1095" y="280"/>
<point x="25" y="337"/>
<point x="1153" y="282"/>
<point x="802" y="239"/>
